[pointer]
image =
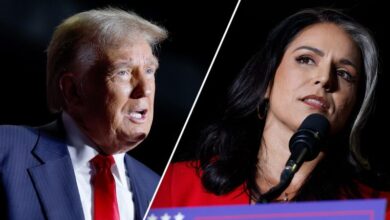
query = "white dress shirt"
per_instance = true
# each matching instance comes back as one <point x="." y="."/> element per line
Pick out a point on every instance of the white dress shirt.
<point x="82" y="150"/>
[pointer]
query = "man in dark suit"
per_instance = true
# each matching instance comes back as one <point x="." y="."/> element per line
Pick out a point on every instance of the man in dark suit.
<point x="101" y="77"/>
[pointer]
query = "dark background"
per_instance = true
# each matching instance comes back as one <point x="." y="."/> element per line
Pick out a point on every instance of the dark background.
<point x="195" y="27"/>
<point x="247" y="34"/>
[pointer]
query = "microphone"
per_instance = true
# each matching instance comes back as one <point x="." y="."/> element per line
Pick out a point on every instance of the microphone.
<point x="305" y="145"/>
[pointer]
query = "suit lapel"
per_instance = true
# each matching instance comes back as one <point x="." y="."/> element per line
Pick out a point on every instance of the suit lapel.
<point x="54" y="180"/>
<point x="136" y="187"/>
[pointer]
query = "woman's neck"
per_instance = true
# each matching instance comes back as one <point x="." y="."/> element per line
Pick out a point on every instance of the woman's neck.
<point x="273" y="155"/>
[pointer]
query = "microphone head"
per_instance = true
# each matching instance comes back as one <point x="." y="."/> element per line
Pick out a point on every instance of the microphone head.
<point x="316" y="122"/>
<point x="310" y="135"/>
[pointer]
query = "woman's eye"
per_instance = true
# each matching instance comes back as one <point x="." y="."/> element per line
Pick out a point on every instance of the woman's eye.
<point x="305" y="60"/>
<point x="345" y="75"/>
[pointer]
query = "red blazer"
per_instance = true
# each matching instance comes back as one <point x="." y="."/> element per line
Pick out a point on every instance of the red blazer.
<point x="182" y="187"/>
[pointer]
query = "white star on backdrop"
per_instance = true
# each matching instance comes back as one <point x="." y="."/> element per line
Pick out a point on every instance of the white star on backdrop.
<point x="179" y="216"/>
<point x="166" y="217"/>
<point x="152" y="217"/>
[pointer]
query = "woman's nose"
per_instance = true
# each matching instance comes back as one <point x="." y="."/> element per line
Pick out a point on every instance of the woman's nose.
<point x="326" y="78"/>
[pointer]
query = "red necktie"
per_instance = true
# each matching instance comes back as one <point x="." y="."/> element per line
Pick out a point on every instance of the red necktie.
<point x="104" y="193"/>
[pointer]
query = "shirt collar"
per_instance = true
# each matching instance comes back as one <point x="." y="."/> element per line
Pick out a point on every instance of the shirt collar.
<point x="82" y="149"/>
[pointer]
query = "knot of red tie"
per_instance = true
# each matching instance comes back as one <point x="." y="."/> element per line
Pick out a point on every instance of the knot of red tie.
<point x="104" y="192"/>
<point x="102" y="162"/>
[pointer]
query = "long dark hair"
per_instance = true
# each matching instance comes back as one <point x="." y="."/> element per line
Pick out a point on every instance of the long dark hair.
<point x="229" y="147"/>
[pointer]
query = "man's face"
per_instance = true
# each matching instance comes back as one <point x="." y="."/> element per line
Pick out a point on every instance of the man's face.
<point x="116" y="110"/>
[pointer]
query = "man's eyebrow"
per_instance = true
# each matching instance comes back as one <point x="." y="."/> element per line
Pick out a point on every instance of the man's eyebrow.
<point x="315" y="50"/>
<point x="122" y="63"/>
<point x="119" y="65"/>
<point x="128" y="63"/>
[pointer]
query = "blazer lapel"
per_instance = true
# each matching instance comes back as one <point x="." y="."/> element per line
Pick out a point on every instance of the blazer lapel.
<point x="54" y="180"/>
<point x="139" y="198"/>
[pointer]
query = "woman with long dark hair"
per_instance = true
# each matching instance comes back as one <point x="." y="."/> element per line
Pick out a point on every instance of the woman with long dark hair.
<point x="315" y="61"/>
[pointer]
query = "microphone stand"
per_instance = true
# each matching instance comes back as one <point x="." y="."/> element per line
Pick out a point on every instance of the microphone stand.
<point x="304" y="145"/>
<point x="285" y="178"/>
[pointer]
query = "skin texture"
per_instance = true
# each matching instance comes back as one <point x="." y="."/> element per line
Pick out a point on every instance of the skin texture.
<point x="319" y="73"/>
<point x="113" y="101"/>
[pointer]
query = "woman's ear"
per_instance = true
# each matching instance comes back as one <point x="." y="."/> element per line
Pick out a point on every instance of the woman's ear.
<point x="69" y="86"/>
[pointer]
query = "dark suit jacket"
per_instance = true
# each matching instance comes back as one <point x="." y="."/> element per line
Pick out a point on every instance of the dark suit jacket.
<point x="37" y="180"/>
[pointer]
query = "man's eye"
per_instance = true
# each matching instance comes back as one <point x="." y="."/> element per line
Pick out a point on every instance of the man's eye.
<point x="305" y="60"/>
<point x="150" y="70"/>
<point x="123" y="72"/>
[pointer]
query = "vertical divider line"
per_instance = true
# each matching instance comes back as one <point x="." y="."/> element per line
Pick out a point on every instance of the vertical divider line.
<point x="194" y="104"/>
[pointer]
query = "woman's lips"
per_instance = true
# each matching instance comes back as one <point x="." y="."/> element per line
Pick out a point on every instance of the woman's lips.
<point x="316" y="102"/>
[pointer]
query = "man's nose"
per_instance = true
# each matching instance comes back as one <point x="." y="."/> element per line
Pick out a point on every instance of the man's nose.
<point x="326" y="77"/>
<point x="142" y="87"/>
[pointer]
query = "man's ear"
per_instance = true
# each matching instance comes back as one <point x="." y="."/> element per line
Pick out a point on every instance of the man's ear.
<point x="70" y="90"/>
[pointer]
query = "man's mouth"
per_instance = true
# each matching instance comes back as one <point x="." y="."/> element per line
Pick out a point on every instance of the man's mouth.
<point x="138" y="116"/>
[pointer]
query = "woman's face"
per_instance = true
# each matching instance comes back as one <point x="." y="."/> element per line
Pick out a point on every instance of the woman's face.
<point x="319" y="73"/>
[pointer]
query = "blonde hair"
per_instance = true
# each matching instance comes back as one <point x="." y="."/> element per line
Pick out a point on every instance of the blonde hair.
<point x="77" y="41"/>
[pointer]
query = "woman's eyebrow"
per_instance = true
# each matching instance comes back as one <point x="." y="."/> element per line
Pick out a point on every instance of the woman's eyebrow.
<point x="315" y="50"/>
<point x="344" y="61"/>
<point x="348" y="62"/>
